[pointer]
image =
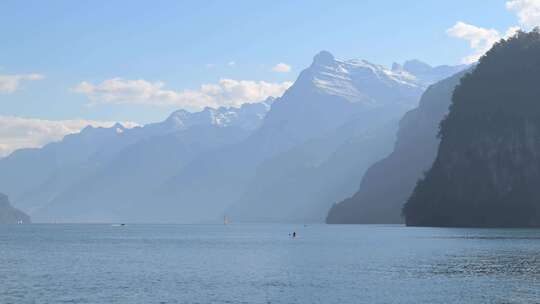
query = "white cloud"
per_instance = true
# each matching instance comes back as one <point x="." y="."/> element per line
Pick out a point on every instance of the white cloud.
<point x="281" y="68"/>
<point x="527" y="11"/>
<point x="511" y="31"/>
<point x="480" y="39"/>
<point x="10" y="83"/>
<point x="18" y="132"/>
<point x="227" y="92"/>
<point x="231" y="63"/>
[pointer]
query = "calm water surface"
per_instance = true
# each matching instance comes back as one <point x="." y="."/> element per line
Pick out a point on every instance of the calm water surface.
<point x="262" y="264"/>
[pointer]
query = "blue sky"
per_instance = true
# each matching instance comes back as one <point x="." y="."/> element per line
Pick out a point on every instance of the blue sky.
<point x="171" y="46"/>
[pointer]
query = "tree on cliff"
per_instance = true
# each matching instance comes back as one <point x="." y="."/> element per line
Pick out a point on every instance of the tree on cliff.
<point x="487" y="170"/>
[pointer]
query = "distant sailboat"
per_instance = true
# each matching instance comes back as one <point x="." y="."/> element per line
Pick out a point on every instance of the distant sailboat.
<point x="225" y="220"/>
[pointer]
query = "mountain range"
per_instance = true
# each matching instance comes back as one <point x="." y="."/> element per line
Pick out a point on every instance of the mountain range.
<point x="104" y="164"/>
<point x="287" y="159"/>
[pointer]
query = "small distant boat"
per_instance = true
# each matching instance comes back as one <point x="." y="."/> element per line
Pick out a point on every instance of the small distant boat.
<point x="225" y="220"/>
<point x="118" y="225"/>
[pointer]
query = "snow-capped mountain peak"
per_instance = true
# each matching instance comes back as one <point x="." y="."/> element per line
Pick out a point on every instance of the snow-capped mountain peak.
<point x="248" y="116"/>
<point x="372" y="85"/>
<point x="358" y="81"/>
<point x="323" y="58"/>
<point x="426" y="73"/>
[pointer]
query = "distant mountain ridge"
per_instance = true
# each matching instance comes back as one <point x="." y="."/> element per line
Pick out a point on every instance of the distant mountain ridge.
<point x="36" y="178"/>
<point x="249" y="116"/>
<point x="426" y="73"/>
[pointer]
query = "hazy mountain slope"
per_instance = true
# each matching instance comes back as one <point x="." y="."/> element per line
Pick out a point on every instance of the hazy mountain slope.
<point x="39" y="177"/>
<point x="10" y="215"/>
<point x="388" y="183"/>
<point x="487" y="169"/>
<point x="301" y="184"/>
<point x="111" y="193"/>
<point x="326" y="95"/>
<point x="26" y="169"/>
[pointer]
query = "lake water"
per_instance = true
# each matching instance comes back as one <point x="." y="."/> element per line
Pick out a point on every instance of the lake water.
<point x="262" y="264"/>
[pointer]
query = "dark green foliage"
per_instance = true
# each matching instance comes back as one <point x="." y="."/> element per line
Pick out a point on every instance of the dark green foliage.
<point x="487" y="171"/>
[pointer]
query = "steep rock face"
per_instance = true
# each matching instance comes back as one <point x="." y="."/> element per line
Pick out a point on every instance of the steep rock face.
<point x="487" y="169"/>
<point x="388" y="183"/>
<point x="10" y="215"/>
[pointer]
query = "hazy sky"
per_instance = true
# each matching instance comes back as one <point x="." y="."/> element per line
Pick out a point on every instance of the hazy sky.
<point x="139" y="60"/>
